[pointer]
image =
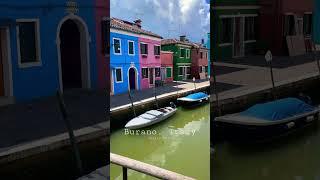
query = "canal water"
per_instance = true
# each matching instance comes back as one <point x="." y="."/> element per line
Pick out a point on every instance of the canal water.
<point x="292" y="157"/>
<point x="179" y="144"/>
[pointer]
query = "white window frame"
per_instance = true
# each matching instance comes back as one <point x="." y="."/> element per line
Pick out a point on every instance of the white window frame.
<point x="129" y="41"/>
<point x="115" y="75"/>
<point x="181" y="53"/>
<point x="147" y="49"/>
<point x="114" y="50"/>
<point x="159" y="50"/>
<point x="187" y="53"/>
<point x="147" y="73"/>
<point x="37" y="41"/>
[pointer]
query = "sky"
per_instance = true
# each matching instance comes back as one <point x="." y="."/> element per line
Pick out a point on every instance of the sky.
<point x="167" y="18"/>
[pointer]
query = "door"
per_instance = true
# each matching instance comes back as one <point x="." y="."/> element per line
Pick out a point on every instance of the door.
<point x="238" y="37"/>
<point x="184" y="73"/>
<point x="163" y="73"/>
<point x="132" y="79"/>
<point x="111" y="83"/>
<point x="2" y="45"/>
<point x="151" y="76"/>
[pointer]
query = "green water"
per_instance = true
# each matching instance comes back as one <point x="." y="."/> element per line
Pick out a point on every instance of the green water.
<point x="294" y="157"/>
<point x="180" y="145"/>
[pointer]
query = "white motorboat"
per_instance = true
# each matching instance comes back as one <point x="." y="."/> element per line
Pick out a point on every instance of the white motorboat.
<point x="151" y="117"/>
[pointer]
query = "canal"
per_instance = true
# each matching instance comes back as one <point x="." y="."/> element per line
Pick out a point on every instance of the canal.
<point x="292" y="157"/>
<point x="179" y="144"/>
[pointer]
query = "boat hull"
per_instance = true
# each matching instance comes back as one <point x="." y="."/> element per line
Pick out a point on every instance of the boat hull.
<point x="255" y="133"/>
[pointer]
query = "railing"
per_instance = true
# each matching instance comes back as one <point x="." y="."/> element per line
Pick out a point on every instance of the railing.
<point x="127" y="163"/>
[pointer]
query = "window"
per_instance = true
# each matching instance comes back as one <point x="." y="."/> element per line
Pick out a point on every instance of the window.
<point x="307" y="24"/>
<point x="226" y="30"/>
<point x="182" y="53"/>
<point x="144" y="48"/>
<point x="28" y="41"/>
<point x="188" y="70"/>
<point x="157" y="50"/>
<point x="169" y="72"/>
<point x="206" y="69"/>
<point x="187" y="53"/>
<point x="289" y="25"/>
<point x="201" y="55"/>
<point x="116" y="46"/>
<point x="180" y="71"/>
<point x="130" y="47"/>
<point x="157" y="71"/>
<point x="200" y="69"/>
<point x="250" y="28"/>
<point x="145" y="73"/>
<point x="119" y="75"/>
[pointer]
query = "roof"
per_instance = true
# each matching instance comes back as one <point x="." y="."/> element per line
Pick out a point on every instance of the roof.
<point x="130" y="27"/>
<point x="175" y="41"/>
<point x="199" y="45"/>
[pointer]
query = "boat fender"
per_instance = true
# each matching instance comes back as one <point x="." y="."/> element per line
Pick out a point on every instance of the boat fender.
<point x="290" y="125"/>
<point x="309" y="118"/>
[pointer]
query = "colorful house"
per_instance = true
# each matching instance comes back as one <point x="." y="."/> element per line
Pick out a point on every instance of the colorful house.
<point x="199" y="57"/>
<point x="150" y="62"/>
<point x="124" y="57"/>
<point x="181" y="56"/>
<point x="280" y="19"/>
<point x="208" y="46"/>
<point x="47" y="45"/>
<point x="166" y="66"/>
<point x="237" y="28"/>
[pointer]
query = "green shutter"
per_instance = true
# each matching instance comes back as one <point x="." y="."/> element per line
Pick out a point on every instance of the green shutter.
<point x="169" y="75"/>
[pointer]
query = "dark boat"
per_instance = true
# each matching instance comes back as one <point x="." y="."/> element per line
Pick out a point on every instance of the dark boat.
<point x="264" y="121"/>
<point x="194" y="99"/>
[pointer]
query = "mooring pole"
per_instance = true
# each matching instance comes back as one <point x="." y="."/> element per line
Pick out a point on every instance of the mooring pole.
<point x="268" y="57"/>
<point x="132" y="106"/>
<point x="155" y="97"/>
<point x="194" y="83"/>
<point x="70" y="132"/>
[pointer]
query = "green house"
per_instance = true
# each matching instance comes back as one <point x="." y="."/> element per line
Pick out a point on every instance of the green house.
<point x="181" y="56"/>
<point x="236" y="28"/>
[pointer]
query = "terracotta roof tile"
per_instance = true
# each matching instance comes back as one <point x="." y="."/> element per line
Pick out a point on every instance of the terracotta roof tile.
<point x="130" y="27"/>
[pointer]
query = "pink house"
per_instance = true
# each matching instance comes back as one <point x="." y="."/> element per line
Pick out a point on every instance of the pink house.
<point x="150" y="62"/>
<point x="166" y="66"/>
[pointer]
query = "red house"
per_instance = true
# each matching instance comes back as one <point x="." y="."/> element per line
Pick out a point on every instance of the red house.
<point x="286" y="25"/>
<point x="199" y="58"/>
<point x="166" y="66"/>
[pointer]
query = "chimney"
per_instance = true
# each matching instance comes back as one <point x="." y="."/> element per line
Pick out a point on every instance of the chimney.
<point x="183" y="38"/>
<point x="138" y="23"/>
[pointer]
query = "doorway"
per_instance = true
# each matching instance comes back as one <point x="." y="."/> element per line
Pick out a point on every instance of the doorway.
<point x="5" y="63"/>
<point x="73" y="53"/>
<point x="132" y="79"/>
<point x="238" y="37"/>
<point x="151" y="76"/>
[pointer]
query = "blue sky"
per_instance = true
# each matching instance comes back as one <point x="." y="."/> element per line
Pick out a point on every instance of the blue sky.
<point x="168" y="18"/>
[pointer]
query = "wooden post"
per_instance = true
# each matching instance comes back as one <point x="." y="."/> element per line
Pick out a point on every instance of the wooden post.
<point x="70" y="131"/>
<point x="132" y="106"/>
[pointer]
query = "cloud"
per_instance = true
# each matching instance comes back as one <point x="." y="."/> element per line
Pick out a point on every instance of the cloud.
<point x="168" y="18"/>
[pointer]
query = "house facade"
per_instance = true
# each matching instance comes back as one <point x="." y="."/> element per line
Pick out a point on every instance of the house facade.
<point x="237" y="22"/>
<point x="166" y="66"/>
<point x="209" y="50"/>
<point x="288" y="19"/>
<point x="150" y="62"/>
<point x="181" y="57"/>
<point x="124" y="58"/>
<point x="316" y="23"/>
<point x="199" y="57"/>
<point x="47" y="46"/>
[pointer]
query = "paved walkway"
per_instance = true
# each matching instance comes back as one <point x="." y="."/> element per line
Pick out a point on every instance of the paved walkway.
<point x="99" y="174"/>
<point x="251" y="76"/>
<point x="26" y="122"/>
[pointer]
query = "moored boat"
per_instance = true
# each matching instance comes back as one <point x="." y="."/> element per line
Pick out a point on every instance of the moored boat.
<point x="194" y="99"/>
<point x="267" y="120"/>
<point x="151" y="117"/>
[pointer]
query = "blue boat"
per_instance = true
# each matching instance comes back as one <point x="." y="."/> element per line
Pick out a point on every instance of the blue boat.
<point x="194" y="99"/>
<point x="266" y="120"/>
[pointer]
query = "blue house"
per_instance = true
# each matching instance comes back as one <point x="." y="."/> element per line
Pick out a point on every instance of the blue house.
<point x="208" y="47"/>
<point x="124" y="58"/>
<point x="46" y="46"/>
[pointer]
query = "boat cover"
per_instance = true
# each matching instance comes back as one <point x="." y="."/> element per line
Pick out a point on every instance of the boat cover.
<point x="279" y="109"/>
<point x="199" y="95"/>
